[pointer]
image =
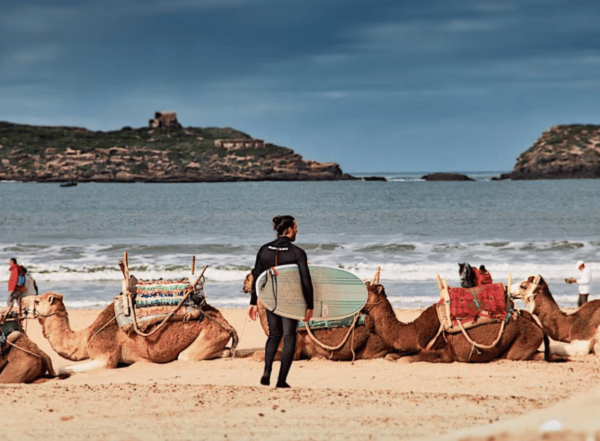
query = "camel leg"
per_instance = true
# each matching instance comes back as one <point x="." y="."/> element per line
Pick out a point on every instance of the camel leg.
<point x="23" y="369"/>
<point x="248" y="353"/>
<point x="596" y="342"/>
<point x="47" y="365"/>
<point x="14" y="373"/>
<point x="98" y="363"/>
<point x="429" y="357"/>
<point x="207" y="346"/>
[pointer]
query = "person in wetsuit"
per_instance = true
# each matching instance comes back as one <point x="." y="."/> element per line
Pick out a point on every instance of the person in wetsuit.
<point x="282" y="252"/>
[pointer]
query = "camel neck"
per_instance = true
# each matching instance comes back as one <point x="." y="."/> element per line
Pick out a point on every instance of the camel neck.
<point x="401" y="336"/>
<point x="64" y="341"/>
<point x="556" y="322"/>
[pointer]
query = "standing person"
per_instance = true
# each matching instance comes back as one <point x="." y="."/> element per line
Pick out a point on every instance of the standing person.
<point x="584" y="282"/>
<point x="31" y="288"/>
<point x="14" y="289"/>
<point x="282" y="251"/>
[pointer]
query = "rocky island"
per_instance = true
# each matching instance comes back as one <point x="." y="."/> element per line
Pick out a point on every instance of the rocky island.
<point x="562" y="152"/>
<point x="162" y="152"/>
<point x="446" y="177"/>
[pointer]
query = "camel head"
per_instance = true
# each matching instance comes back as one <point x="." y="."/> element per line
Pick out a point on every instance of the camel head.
<point x="46" y="304"/>
<point x="248" y="281"/>
<point x="376" y="292"/>
<point x="528" y="289"/>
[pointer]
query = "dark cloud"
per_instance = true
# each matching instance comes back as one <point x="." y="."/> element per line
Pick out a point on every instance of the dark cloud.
<point x="324" y="77"/>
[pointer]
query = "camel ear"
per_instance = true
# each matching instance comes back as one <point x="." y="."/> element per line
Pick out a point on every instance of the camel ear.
<point x="380" y="290"/>
<point x="50" y="299"/>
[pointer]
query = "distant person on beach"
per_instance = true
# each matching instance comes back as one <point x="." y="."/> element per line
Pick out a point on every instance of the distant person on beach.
<point x="584" y="281"/>
<point x="31" y="288"/>
<point x="282" y="251"/>
<point x="14" y="289"/>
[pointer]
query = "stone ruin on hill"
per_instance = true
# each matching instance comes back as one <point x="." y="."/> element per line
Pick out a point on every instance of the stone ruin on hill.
<point x="237" y="144"/>
<point x="164" y="120"/>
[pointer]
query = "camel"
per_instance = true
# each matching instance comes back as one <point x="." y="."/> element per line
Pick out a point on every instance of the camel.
<point x="107" y="345"/>
<point x="581" y="328"/>
<point x="22" y="361"/>
<point x="520" y="340"/>
<point x="360" y="344"/>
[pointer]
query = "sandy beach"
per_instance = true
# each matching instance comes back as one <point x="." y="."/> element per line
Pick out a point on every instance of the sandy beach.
<point x="367" y="399"/>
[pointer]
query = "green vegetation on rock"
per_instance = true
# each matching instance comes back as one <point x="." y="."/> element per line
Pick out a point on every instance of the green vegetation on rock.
<point x="34" y="153"/>
<point x="563" y="151"/>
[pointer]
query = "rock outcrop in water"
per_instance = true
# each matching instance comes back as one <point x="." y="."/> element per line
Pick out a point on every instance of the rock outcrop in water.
<point x="563" y="152"/>
<point x="150" y="154"/>
<point x="446" y="177"/>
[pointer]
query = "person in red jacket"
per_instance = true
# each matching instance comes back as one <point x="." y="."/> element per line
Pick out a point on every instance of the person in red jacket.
<point x="14" y="289"/>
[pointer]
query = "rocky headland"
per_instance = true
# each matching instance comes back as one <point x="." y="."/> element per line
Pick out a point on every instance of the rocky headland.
<point x="158" y="153"/>
<point x="562" y="152"/>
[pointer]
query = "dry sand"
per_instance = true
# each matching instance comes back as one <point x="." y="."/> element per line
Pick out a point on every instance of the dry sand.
<point x="369" y="399"/>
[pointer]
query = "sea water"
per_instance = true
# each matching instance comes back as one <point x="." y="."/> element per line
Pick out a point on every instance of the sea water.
<point x="71" y="239"/>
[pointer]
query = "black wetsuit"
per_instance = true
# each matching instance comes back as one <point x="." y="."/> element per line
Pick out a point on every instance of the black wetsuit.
<point x="281" y="252"/>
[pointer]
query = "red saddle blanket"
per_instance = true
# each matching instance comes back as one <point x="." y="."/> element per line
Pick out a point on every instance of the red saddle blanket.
<point x="471" y="304"/>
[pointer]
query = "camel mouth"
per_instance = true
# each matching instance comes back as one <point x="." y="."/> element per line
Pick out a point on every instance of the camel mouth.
<point x="518" y="290"/>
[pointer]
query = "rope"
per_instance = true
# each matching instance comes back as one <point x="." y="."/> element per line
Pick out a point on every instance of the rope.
<point x="432" y="341"/>
<point x="228" y="329"/>
<point x="243" y="331"/>
<point x="161" y="324"/>
<point x="478" y="345"/>
<point x="352" y="347"/>
<point x="24" y="350"/>
<point x="104" y="326"/>
<point x="334" y="348"/>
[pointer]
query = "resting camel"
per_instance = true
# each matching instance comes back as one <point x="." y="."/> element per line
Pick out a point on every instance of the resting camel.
<point x="362" y="344"/>
<point x="582" y="326"/>
<point x="23" y="362"/>
<point x="106" y="344"/>
<point x="520" y="341"/>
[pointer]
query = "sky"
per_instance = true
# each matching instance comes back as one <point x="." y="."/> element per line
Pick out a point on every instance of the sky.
<point x="374" y="85"/>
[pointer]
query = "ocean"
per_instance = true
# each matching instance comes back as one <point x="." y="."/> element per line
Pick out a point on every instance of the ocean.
<point x="71" y="239"/>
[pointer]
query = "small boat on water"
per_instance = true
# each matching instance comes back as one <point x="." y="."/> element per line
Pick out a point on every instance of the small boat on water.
<point x="69" y="184"/>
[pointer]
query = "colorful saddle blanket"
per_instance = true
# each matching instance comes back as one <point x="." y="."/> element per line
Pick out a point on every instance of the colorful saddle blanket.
<point x="8" y="327"/>
<point x="160" y="297"/>
<point x="479" y="305"/>
<point x="332" y="324"/>
<point x="482" y="277"/>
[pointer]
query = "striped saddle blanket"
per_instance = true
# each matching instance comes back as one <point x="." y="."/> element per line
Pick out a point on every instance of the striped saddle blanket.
<point x="8" y="327"/>
<point x="161" y="297"/>
<point x="332" y="324"/>
<point x="475" y="306"/>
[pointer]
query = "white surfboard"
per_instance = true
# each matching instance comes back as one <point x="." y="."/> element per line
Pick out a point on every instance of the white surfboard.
<point x="337" y="293"/>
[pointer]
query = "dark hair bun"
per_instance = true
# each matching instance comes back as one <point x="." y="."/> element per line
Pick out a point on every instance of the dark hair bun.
<point x="282" y="223"/>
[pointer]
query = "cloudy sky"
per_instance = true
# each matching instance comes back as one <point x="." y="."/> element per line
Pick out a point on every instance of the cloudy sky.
<point x="375" y="85"/>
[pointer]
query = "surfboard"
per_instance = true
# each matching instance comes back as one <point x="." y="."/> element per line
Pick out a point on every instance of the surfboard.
<point x="337" y="293"/>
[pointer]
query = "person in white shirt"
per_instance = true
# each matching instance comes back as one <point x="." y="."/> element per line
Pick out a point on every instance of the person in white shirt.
<point x="31" y="288"/>
<point x="584" y="281"/>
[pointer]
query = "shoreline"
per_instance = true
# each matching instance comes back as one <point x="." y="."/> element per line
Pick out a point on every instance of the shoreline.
<point x="221" y="399"/>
